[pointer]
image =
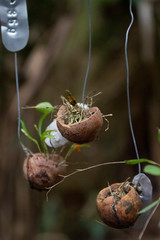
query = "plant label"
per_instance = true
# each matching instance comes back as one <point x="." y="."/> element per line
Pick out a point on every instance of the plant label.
<point x="145" y="185"/>
<point x="14" y="24"/>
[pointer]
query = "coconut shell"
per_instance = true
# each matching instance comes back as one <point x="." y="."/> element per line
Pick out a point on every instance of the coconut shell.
<point x="82" y="132"/>
<point x="42" y="172"/>
<point x="118" y="212"/>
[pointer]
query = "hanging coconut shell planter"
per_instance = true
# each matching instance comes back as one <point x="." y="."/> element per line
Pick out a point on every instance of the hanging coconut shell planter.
<point x="47" y="167"/>
<point x="43" y="171"/>
<point x="44" y="168"/>
<point x="118" y="205"/>
<point x="77" y="122"/>
<point x="83" y="131"/>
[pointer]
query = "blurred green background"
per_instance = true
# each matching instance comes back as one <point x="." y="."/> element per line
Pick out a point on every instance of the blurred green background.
<point x="55" y="59"/>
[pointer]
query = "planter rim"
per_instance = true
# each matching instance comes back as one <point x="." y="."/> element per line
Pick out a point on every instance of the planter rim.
<point x="60" y="117"/>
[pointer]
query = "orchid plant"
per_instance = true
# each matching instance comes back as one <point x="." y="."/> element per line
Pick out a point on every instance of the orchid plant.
<point x="46" y="108"/>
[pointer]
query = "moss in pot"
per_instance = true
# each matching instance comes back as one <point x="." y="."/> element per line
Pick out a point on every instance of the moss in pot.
<point x="118" y="205"/>
<point x="78" y="122"/>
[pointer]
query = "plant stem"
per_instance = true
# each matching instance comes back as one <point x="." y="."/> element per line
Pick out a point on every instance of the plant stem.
<point x="40" y="123"/>
<point x="81" y="170"/>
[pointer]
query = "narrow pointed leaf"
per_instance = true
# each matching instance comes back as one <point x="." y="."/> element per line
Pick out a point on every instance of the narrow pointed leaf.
<point x="24" y="127"/>
<point x="41" y="122"/>
<point x="136" y="161"/>
<point x="149" y="206"/>
<point x="26" y="133"/>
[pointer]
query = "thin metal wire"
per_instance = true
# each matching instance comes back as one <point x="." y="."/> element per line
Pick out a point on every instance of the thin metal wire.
<point x="27" y="152"/>
<point x="89" y="56"/>
<point x="18" y="97"/>
<point x="128" y="94"/>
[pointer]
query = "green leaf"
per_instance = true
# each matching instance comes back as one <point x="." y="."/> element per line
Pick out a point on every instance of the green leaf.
<point x="153" y="170"/>
<point x="136" y="161"/>
<point x="149" y="206"/>
<point x="45" y="107"/>
<point x="24" y="127"/>
<point x="159" y="135"/>
<point x="46" y="134"/>
<point x="41" y="122"/>
<point x="26" y="133"/>
<point x="49" y="136"/>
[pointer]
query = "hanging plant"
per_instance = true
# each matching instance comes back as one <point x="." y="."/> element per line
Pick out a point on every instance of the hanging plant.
<point x="46" y="167"/>
<point x="118" y="205"/>
<point x="43" y="171"/>
<point x="79" y="122"/>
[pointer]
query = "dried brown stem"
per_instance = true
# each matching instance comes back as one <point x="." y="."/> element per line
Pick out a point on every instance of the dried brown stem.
<point x="82" y="170"/>
<point x="148" y="220"/>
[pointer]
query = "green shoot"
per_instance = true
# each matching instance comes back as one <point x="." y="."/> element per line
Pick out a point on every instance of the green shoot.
<point x="44" y="135"/>
<point x="41" y="122"/>
<point x="46" y="108"/>
<point x="25" y="131"/>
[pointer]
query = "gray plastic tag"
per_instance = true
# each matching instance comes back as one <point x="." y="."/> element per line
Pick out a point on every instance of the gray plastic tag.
<point x="145" y="187"/>
<point x="14" y="24"/>
<point x="143" y="183"/>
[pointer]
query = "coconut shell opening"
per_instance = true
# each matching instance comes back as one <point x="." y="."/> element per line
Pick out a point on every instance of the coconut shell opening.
<point x="117" y="207"/>
<point x="81" y="132"/>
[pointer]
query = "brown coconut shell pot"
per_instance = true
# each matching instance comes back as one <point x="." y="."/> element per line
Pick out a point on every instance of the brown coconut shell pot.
<point x="43" y="172"/>
<point x="81" y="132"/>
<point x="118" y="205"/>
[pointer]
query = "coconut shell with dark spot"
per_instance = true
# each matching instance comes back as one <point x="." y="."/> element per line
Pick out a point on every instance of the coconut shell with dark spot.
<point x="81" y="132"/>
<point x="118" y="207"/>
<point x="43" y="172"/>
